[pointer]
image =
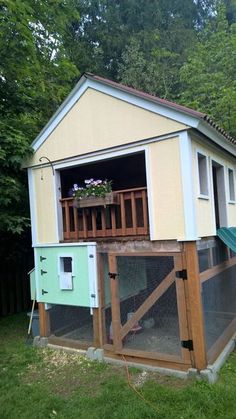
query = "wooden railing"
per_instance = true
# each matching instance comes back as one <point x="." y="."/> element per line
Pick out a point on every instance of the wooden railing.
<point x="128" y="218"/>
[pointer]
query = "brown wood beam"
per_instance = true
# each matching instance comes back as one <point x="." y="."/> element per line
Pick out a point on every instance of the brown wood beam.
<point x="115" y="304"/>
<point x="209" y="273"/>
<point x="44" y="324"/>
<point x="195" y="305"/>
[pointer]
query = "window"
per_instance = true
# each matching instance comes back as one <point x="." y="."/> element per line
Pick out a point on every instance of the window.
<point x="231" y="185"/>
<point x="65" y="273"/>
<point x="203" y="175"/>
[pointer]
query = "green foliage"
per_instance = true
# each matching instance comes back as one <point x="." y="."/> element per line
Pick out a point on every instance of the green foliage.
<point x="35" y="76"/>
<point x="208" y="76"/>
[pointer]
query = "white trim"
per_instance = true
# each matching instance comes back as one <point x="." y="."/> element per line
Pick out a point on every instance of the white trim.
<point x="32" y="201"/>
<point x="93" y="276"/>
<point x="107" y="153"/>
<point x="212" y="198"/>
<point x="203" y="153"/>
<point x="38" y="292"/>
<point x="57" y="206"/>
<point x="60" y="272"/>
<point x="66" y="244"/>
<point x="230" y="201"/>
<point x="188" y="187"/>
<point x="219" y="161"/>
<point x="150" y="194"/>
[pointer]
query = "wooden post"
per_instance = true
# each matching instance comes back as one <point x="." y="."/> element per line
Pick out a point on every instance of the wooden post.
<point x="195" y="305"/>
<point x="44" y="328"/>
<point x="115" y="303"/>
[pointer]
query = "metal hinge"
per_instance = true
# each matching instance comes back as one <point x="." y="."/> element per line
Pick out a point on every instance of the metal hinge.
<point x="187" y="344"/>
<point x="112" y="275"/>
<point x="44" y="292"/>
<point x="42" y="258"/>
<point x="182" y="274"/>
<point x="43" y="272"/>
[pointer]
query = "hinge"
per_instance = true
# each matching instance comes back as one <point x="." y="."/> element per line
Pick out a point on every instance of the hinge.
<point x="182" y="274"/>
<point x="42" y="258"/>
<point x="43" y="272"/>
<point x="91" y="256"/>
<point x="187" y="344"/>
<point x="112" y="275"/>
<point x="92" y="295"/>
<point x="44" y="292"/>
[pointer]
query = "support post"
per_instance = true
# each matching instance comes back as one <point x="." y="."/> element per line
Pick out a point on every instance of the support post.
<point x="195" y="305"/>
<point x="44" y="328"/>
<point x="115" y="303"/>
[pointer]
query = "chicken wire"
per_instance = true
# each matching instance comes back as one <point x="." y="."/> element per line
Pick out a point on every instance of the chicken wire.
<point x="70" y="322"/>
<point x="138" y="277"/>
<point x="219" y="304"/>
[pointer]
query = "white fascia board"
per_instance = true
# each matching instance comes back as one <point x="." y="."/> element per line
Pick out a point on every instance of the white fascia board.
<point x="32" y="202"/>
<point x="84" y="244"/>
<point x="188" y="187"/>
<point x="130" y="98"/>
<point x="216" y="137"/>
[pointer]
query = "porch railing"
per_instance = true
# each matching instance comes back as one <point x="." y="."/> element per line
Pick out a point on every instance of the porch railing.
<point x="128" y="218"/>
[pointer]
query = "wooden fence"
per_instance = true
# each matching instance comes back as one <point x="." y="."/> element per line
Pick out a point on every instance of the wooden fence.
<point x="14" y="290"/>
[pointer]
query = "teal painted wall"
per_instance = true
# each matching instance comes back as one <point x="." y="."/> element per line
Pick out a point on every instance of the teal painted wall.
<point x="84" y="277"/>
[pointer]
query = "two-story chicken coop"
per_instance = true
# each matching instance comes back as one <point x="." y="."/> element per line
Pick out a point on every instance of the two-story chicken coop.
<point x="144" y="275"/>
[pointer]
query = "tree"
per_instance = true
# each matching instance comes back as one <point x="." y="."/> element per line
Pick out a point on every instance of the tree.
<point x="35" y="76"/>
<point x="208" y="76"/>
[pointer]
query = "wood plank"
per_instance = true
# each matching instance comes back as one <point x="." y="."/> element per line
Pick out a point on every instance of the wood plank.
<point x="115" y="304"/>
<point x="153" y="355"/>
<point x="76" y="223"/>
<point x="122" y="214"/>
<point x="96" y="340"/>
<point x="67" y="215"/>
<point x="113" y="222"/>
<point x="44" y="328"/>
<point x="133" y="212"/>
<point x="68" y="343"/>
<point x="94" y="223"/>
<point x="195" y="305"/>
<point x="145" y="213"/>
<point x="148" y="303"/>
<point x="182" y="309"/>
<point x="142" y="360"/>
<point x="85" y="226"/>
<point x="103" y="219"/>
<point x="209" y="273"/>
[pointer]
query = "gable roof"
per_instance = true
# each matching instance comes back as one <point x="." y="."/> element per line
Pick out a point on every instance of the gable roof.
<point x="195" y="119"/>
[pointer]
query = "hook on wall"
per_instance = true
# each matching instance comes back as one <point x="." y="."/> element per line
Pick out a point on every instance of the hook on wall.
<point x="49" y="161"/>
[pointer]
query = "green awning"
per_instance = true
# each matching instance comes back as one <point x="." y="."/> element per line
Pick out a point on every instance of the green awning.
<point x="228" y="237"/>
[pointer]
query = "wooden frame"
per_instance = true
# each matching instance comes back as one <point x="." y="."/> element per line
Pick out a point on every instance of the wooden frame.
<point x="119" y="331"/>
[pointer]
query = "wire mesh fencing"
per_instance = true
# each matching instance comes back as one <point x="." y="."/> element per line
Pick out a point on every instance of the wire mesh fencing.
<point x="70" y="322"/>
<point x="147" y="289"/>
<point x="219" y="304"/>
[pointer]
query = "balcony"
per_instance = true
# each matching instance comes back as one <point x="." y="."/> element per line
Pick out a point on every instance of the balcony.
<point x="129" y="217"/>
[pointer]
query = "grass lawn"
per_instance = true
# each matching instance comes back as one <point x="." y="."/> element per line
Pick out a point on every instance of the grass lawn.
<point x="42" y="383"/>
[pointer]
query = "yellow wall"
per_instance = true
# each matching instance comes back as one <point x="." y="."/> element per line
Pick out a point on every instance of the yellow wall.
<point x="98" y="121"/>
<point x="166" y="190"/>
<point x="205" y="207"/>
<point x="45" y="206"/>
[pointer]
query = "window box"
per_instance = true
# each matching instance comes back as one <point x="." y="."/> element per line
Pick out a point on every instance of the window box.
<point x="110" y="198"/>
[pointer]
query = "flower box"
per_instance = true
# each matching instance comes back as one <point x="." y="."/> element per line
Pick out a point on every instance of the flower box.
<point x="110" y="198"/>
